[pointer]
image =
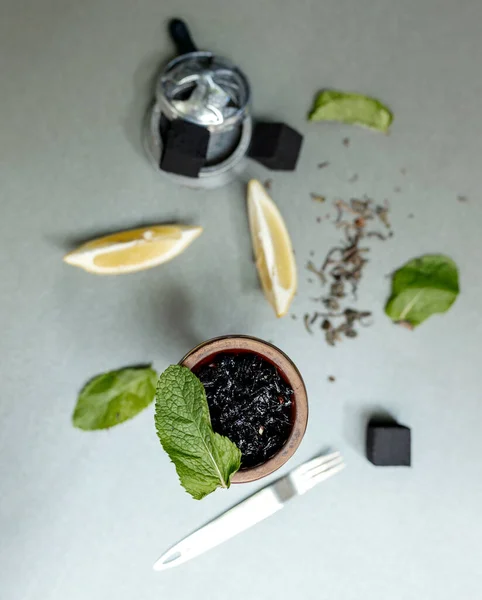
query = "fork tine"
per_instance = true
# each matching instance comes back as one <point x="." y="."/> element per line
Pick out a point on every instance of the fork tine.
<point x="318" y="461"/>
<point x="324" y="475"/>
<point x="325" y="467"/>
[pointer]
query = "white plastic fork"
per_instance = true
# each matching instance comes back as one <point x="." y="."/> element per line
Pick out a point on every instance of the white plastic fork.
<point x="254" y="509"/>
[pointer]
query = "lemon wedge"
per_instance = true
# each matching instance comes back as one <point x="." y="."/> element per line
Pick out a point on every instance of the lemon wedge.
<point x="272" y="247"/>
<point x="133" y="250"/>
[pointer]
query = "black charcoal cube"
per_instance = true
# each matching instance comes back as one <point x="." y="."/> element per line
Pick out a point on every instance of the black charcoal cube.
<point x="388" y="444"/>
<point x="184" y="148"/>
<point x="276" y="146"/>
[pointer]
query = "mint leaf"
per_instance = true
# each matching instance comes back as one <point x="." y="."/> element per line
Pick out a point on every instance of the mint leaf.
<point x="114" y="397"/>
<point x="204" y="460"/>
<point x="422" y="287"/>
<point x="345" y="107"/>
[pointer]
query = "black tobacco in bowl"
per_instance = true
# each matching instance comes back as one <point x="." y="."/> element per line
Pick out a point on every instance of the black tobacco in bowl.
<point x="249" y="402"/>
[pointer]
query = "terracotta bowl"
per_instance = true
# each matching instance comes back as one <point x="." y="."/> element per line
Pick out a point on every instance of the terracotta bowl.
<point x="242" y="343"/>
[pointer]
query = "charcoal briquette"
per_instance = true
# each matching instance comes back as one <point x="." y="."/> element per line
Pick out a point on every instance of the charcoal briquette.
<point x="276" y="146"/>
<point x="185" y="147"/>
<point x="388" y="444"/>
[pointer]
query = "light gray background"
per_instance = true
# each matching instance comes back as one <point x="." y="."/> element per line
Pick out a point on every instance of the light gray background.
<point x="84" y="515"/>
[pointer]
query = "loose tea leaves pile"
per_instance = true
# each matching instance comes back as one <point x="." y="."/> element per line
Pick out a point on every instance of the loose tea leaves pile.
<point x="249" y="402"/>
<point x="343" y="267"/>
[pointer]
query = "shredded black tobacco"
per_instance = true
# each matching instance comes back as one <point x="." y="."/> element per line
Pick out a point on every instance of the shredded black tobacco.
<point x="249" y="402"/>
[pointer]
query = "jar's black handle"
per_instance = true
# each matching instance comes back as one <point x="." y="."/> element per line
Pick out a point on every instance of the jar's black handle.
<point x="181" y="37"/>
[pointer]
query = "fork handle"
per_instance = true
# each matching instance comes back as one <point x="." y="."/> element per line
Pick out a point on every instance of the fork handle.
<point x="247" y="513"/>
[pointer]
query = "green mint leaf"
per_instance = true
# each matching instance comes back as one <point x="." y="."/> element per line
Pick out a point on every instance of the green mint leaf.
<point x="204" y="460"/>
<point x="422" y="287"/>
<point x="345" y="107"/>
<point x="114" y="397"/>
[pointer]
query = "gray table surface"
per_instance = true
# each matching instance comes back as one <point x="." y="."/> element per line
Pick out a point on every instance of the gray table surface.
<point x="84" y="515"/>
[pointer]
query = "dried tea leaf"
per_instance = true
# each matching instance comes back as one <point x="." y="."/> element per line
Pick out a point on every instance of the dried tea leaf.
<point x="319" y="273"/>
<point x="422" y="287"/>
<point x="345" y="107"/>
<point x="337" y="289"/>
<point x="306" y="322"/>
<point x="382" y="214"/>
<point x="331" y="303"/>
